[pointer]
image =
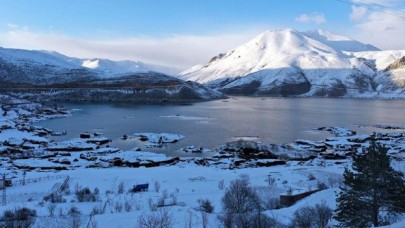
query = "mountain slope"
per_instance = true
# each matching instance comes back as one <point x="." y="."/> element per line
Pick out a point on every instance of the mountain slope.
<point x="288" y="62"/>
<point x="338" y="42"/>
<point x="50" y="75"/>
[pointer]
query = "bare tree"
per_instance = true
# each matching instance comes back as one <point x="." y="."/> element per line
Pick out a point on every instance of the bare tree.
<point x="303" y="217"/>
<point x="157" y="186"/>
<point x="240" y="203"/>
<point x="323" y="214"/>
<point x="160" y="219"/>
<point x="51" y="209"/>
<point x="121" y="188"/>
<point x="221" y="185"/>
<point x="204" y="218"/>
<point x="75" y="217"/>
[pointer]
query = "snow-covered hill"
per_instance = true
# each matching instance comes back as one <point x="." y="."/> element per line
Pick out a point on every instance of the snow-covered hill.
<point x="44" y="75"/>
<point x="46" y="65"/>
<point x="288" y="62"/>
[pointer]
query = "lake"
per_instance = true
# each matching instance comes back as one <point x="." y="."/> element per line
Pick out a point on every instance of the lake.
<point x="211" y="124"/>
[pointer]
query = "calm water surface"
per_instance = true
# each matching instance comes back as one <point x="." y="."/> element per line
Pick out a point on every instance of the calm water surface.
<point x="273" y="120"/>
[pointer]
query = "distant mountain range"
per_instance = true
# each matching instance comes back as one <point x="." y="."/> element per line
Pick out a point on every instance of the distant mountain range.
<point x="44" y="75"/>
<point x="314" y="63"/>
<point x="275" y="63"/>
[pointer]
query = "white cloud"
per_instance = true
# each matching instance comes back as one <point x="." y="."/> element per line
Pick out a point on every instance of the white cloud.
<point x="358" y="13"/>
<point x="379" y="2"/>
<point x="178" y="51"/>
<point x="315" y="17"/>
<point x="382" y="29"/>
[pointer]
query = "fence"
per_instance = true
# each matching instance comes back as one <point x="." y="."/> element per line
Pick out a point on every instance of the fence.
<point x="36" y="179"/>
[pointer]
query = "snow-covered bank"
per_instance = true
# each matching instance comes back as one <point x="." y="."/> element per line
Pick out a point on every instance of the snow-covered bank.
<point x="174" y="183"/>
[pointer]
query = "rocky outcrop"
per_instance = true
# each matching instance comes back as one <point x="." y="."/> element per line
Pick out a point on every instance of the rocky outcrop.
<point x="397" y="64"/>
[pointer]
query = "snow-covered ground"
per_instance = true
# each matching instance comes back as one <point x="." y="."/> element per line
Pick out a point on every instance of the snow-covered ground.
<point x="175" y="184"/>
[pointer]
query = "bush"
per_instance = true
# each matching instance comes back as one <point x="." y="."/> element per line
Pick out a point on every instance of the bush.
<point x="307" y="217"/>
<point x="311" y="177"/>
<point x="157" y="186"/>
<point x="128" y="206"/>
<point x="161" y="219"/>
<point x="118" y="207"/>
<point x="271" y="181"/>
<point x="205" y="205"/>
<point x="75" y="218"/>
<point x="121" y="188"/>
<point x="54" y="198"/>
<point x="240" y="204"/>
<point x="323" y="214"/>
<point x="51" y="209"/>
<point x="22" y="217"/>
<point x="74" y="211"/>
<point x="303" y="217"/>
<point x="221" y="185"/>
<point x="321" y="186"/>
<point x="85" y="195"/>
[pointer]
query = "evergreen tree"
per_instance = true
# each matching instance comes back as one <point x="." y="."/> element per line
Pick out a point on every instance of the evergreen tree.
<point x="372" y="191"/>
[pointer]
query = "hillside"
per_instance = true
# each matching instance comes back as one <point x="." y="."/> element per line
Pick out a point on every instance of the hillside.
<point x="290" y="63"/>
<point x="44" y="75"/>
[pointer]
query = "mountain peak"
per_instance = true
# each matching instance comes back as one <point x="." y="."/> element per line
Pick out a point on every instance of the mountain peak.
<point x="339" y="42"/>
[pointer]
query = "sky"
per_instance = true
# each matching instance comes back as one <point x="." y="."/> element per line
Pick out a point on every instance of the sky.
<point x="183" y="33"/>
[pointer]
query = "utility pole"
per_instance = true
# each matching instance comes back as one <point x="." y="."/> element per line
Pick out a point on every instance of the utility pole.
<point x="4" y="190"/>
<point x="24" y="174"/>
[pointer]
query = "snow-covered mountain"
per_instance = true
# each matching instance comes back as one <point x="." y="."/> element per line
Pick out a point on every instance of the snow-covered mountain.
<point x="338" y="42"/>
<point x="28" y="60"/>
<point x="33" y="72"/>
<point x="288" y="62"/>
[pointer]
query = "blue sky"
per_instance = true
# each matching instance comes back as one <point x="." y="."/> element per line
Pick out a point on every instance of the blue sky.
<point x="164" y="17"/>
<point x="182" y="33"/>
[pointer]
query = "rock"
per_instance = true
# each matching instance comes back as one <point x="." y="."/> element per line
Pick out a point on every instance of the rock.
<point x="99" y="140"/>
<point x="159" y="138"/>
<point x="85" y="135"/>
<point x="124" y="137"/>
<point x="59" y="133"/>
<point x="248" y="150"/>
<point x="337" y="131"/>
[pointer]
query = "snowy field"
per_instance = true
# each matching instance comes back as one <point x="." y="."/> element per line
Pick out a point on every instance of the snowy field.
<point x="53" y="177"/>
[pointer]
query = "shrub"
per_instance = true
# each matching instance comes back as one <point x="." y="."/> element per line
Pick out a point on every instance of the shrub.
<point x="221" y="185"/>
<point x="121" y="188"/>
<point x="157" y="186"/>
<point x="118" y="207"/>
<point x="85" y="195"/>
<point x="205" y="205"/>
<point x="128" y="206"/>
<point x="75" y="218"/>
<point x="321" y="186"/>
<point x="303" y="217"/>
<point x="54" y="198"/>
<point x="323" y="214"/>
<point x="311" y="177"/>
<point x="270" y="181"/>
<point x="74" y="211"/>
<point x="240" y="204"/>
<point x="162" y="219"/>
<point x="307" y="217"/>
<point x="22" y="217"/>
<point x="51" y="208"/>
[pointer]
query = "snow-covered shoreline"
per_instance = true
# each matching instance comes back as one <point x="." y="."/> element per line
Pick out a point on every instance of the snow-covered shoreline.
<point x="299" y="166"/>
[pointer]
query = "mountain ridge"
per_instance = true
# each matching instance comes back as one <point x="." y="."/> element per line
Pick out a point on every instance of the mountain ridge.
<point x="291" y="63"/>
<point x="43" y="75"/>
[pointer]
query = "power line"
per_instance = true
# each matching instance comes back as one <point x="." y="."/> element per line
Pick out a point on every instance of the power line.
<point x="377" y="7"/>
